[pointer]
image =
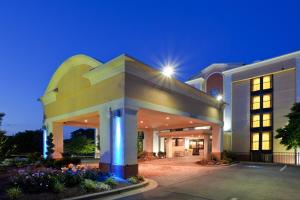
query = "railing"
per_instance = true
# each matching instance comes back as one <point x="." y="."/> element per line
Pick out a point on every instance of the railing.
<point x="291" y="158"/>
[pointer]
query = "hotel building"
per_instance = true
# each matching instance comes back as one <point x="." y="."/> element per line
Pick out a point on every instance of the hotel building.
<point x="257" y="97"/>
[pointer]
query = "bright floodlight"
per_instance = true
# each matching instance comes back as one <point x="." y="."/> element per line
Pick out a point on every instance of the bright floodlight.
<point x="168" y="71"/>
<point x="219" y="97"/>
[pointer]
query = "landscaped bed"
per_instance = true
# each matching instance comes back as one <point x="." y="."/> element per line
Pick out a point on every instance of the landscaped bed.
<point x="71" y="181"/>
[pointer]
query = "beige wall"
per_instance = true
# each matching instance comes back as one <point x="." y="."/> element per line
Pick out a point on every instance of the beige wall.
<point x="284" y="98"/>
<point x="241" y="116"/>
<point x="137" y="88"/>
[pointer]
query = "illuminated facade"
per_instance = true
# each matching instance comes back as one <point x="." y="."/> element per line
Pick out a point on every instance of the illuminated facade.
<point x="257" y="97"/>
<point x="124" y="97"/>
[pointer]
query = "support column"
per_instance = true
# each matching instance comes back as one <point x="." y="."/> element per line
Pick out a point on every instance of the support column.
<point x="162" y="144"/>
<point x="97" y="143"/>
<point x="206" y="148"/>
<point x="105" y="141"/>
<point x="58" y="138"/>
<point x="124" y="135"/>
<point x="155" y="142"/>
<point x="169" y="149"/>
<point x="298" y="92"/>
<point x="217" y="141"/>
<point x="148" y="137"/>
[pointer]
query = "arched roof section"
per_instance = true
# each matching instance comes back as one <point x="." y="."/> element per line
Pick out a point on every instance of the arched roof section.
<point x="68" y="64"/>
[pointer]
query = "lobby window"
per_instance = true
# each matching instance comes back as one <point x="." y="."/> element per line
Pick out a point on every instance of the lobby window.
<point x="255" y="121"/>
<point x="255" y="141"/>
<point x="256" y="84"/>
<point x="267" y="120"/>
<point x="267" y="82"/>
<point x="255" y="102"/>
<point x="266" y="141"/>
<point x="267" y="101"/>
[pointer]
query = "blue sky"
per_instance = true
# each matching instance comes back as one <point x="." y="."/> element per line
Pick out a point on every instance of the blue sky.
<point x="37" y="36"/>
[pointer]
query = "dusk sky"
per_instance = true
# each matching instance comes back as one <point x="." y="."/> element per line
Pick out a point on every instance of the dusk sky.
<point x="37" y="36"/>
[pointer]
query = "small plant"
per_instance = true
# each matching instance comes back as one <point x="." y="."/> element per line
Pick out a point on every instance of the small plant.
<point x="140" y="178"/>
<point x="89" y="185"/>
<point x="58" y="187"/>
<point x="111" y="182"/>
<point x="133" y="180"/>
<point x="14" y="193"/>
<point x="92" y="186"/>
<point x="103" y="187"/>
<point x="72" y="178"/>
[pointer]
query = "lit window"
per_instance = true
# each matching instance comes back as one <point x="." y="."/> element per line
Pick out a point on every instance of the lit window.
<point x="255" y="141"/>
<point x="266" y="141"/>
<point x="256" y="84"/>
<point x="267" y="101"/>
<point x="255" y="102"/>
<point x="255" y="121"/>
<point x="266" y="82"/>
<point x="266" y="120"/>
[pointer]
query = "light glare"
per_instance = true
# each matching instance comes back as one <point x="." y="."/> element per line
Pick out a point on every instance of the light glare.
<point x="168" y="71"/>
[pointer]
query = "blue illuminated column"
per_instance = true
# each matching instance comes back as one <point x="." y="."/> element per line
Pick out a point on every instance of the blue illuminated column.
<point x="124" y="142"/>
<point x="45" y="135"/>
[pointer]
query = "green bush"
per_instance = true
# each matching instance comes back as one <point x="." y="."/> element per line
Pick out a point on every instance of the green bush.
<point x="58" y="187"/>
<point x="133" y="180"/>
<point x="89" y="185"/>
<point x="58" y="164"/>
<point x="33" y="157"/>
<point x="14" y="193"/>
<point x="111" y="182"/>
<point x="92" y="186"/>
<point x="230" y="156"/>
<point x="92" y="174"/>
<point x="71" y="179"/>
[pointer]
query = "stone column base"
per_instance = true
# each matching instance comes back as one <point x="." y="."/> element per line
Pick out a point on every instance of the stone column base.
<point x="123" y="171"/>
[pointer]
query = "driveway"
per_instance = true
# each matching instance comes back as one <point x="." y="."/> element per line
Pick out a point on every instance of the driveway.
<point x="183" y="179"/>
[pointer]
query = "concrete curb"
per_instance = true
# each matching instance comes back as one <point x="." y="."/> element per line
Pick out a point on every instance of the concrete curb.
<point x="110" y="192"/>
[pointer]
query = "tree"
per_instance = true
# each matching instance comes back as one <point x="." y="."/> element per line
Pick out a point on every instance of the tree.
<point x="50" y="146"/>
<point x="29" y="141"/>
<point x="290" y="134"/>
<point x="5" y="147"/>
<point x="79" y="145"/>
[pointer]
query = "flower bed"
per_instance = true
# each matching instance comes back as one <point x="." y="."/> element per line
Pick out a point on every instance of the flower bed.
<point x="48" y="183"/>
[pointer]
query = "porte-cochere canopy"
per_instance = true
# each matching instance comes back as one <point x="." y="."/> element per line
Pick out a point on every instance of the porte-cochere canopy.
<point x="108" y="96"/>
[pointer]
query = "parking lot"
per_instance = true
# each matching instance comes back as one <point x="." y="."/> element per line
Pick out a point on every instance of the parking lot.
<point x="184" y="180"/>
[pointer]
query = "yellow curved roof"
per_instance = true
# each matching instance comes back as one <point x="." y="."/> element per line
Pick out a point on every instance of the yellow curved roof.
<point x="73" y="61"/>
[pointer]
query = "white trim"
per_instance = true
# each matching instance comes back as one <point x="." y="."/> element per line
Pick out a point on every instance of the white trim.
<point x="263" y="63"/>
<point x="298" y="79"/>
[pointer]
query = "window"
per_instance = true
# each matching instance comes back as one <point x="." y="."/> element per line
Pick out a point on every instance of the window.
<point x="255" y="121"/>
<point x="256" y="84"/>
<point x="266" y="141"/>
<point x="266" y="82"/>
<point x="255" y="141"/>
<point x="267" y="120"/>
<point x="267" y="101"/>
<point x="255" y="102"/>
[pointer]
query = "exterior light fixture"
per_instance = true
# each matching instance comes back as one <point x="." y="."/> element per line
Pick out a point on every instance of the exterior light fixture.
<point x="202" y="128"/>
<point x="219" y="97"/>
<point x="141" y="121"/>
<point x="167" y="118"/>
<point x="191" y="122"/>
<point x="85" y="121"/>
<point x="168" y="71"/>
<point x="146" y="126"/>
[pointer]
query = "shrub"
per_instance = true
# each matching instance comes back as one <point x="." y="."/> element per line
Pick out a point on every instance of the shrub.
<point x="14" y="193"/>
<point x="111" y="182"/>
<point x="91" y="174"/>
<point x="66" y="161"/>
<point x="230" y="156"/>
<point x="132" y="180"/>
<point x="91" y="186"/>
<point x="36" y="181"/>
<point x="72" y="178"/>
<point x="135" y="179"/>
<point x="33" y="157"/>
<point x="58" y="187"/>
<point x="103" y="187"/>
<point x="161" y="154"/>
